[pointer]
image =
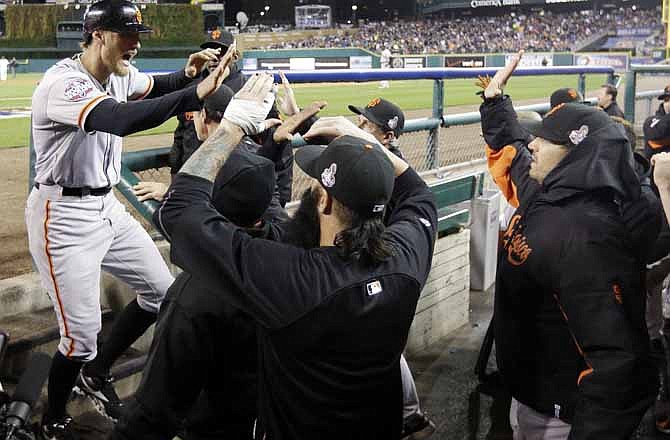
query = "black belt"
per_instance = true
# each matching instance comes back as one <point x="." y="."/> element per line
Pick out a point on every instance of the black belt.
<point x="81" y="192"/>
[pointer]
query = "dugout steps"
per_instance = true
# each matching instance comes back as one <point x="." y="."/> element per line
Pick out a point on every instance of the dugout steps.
<point x="37" y="331"/>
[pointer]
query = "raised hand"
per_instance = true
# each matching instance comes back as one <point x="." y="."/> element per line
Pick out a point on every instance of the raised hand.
<point x="331" y="128"/>
<point x="289" y="126"/>
<point x="196" y="61"/>
<point x="286" y="102"/>
<point x="494" y="86"/>
<point x="251" y="105"/>
<point x="216" y="77"/>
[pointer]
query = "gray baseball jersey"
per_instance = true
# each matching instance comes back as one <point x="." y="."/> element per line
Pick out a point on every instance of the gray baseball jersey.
<point x="66" y="155"/>
<point x="73" y="238"/>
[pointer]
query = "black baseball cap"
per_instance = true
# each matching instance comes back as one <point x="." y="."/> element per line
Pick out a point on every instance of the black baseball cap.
<point x="114" y="15"/>
<point x="383" y="113"/>
<point x="568" y="124"/>
<point x="564" y="96"/>
<point x="244" y="186"/>
<point x="354" y="171"/>
<point x="219" y="39"/>
<point x="219" y="100"/>
<point x="665" y="94"/>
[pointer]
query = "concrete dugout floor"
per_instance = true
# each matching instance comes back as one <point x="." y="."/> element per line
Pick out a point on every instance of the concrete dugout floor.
<point x="446" y="383"/>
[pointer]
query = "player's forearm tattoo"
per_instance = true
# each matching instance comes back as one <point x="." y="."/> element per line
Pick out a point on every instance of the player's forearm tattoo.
<point x="210" y="157"/>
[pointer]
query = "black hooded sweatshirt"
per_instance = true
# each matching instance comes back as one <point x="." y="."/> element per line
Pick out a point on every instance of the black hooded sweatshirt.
<point x="569" y="323"/>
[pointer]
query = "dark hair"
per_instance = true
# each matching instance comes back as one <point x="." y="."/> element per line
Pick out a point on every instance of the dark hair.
<point x="363" y="241"/>
<point x="212" y="115"/>
<point x="611" y="90"/>
<point x="88" y="38"/>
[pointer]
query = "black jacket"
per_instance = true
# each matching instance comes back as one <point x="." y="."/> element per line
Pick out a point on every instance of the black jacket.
<point x="185" y="140"/>
<point x="571" y="338"/>
<point x="201" y="369"/>
<point x="614" y="110"/>
<point x="656" y="131"/>
<point x="331" y="331"/>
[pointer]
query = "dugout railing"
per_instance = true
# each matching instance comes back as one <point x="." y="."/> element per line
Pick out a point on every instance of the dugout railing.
<point x="433" y="145"/>
<point x="639" y="105"/>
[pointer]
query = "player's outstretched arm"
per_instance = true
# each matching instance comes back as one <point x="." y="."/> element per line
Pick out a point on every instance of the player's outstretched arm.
<point x="164" y="84"/>
<point x="124" y="118"/>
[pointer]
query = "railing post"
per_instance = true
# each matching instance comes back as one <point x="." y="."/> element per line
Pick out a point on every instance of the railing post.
<point x="581" y="84"/>
<point x="629" y="96"/>
<point x="433" y="144"/>
<point x="611" y="78"/>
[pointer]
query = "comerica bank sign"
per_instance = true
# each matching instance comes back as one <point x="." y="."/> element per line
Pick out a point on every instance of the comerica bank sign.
<point x="495" y="3"/>
<point x="436" y="5"/>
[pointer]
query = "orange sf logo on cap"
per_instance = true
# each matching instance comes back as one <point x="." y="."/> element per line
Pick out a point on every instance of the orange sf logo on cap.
<point x="572" y="93"/>
<point x="374" y="102"/>
<point x="138" y="16"/>
<point x="216" y="34"/>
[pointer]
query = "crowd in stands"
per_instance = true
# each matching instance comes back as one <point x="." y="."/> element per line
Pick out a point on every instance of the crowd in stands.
<point x="543" y="31"/>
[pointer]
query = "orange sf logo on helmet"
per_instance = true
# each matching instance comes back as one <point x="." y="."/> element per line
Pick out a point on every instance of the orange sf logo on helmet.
<point x="138" y="16"/>
<point x="216" y="34"/>
<point x="374" y="102"/>
<point x="572" y="93"/>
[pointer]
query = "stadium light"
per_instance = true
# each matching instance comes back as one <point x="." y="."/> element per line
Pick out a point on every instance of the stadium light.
<point x="262" y="13"/>
<point x="267" y="8"/>
<point x="354" y="8"/>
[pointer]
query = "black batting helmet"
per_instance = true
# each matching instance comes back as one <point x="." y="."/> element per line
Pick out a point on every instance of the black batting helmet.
<point x="114" y="15"/>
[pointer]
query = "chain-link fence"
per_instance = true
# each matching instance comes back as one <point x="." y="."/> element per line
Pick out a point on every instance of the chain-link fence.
<point x="456" y="144"/>
<point x="425" y="146"/>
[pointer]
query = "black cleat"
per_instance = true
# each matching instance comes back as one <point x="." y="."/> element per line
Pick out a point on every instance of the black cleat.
<point x="59" y="429"/>
<point x="417" y="427"/>
<point x="101" y="392"/>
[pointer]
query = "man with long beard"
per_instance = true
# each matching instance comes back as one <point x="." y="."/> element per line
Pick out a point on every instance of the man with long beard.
<point x="332" y="321"/>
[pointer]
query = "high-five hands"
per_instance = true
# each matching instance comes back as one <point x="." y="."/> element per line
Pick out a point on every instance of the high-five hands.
<point x="196" y="61"/>
<point x="251" y="105"/>
<point x="286" y="102"/>
<point x="210" y="84"/>
<point x="327" y="129"/>
<point x="286" y="130"/>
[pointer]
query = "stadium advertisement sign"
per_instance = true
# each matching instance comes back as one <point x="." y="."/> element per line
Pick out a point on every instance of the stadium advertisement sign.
<point x="501" y="4"/>
<point x="306" y="63"/>
<point x="533" y="60"/>
<point x="360" y="62"/>
<point x="408" y="62"/>
<point x="473" y="61"/>
<point x="618" y="61"/>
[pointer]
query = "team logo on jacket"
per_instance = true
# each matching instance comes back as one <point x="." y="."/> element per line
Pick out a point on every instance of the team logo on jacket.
<point x="328" y="176"/>
<point x="77" y="89"/>
<point x="515" y="243"/>
<point x="654" y="122"/>
<point x="577" y="136"/>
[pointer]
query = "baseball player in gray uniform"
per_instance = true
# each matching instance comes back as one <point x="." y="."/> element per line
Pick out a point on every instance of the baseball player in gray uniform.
<point x="76" y="226"/>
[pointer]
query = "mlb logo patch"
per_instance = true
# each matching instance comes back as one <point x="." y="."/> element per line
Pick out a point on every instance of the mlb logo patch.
<point x="373" y="287"/>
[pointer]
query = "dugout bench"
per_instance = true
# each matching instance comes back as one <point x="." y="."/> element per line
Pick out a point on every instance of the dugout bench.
<point x="450" y="197"/>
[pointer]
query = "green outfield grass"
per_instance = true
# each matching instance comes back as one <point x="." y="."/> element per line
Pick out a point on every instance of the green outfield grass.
<point x="409" y="95"/>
